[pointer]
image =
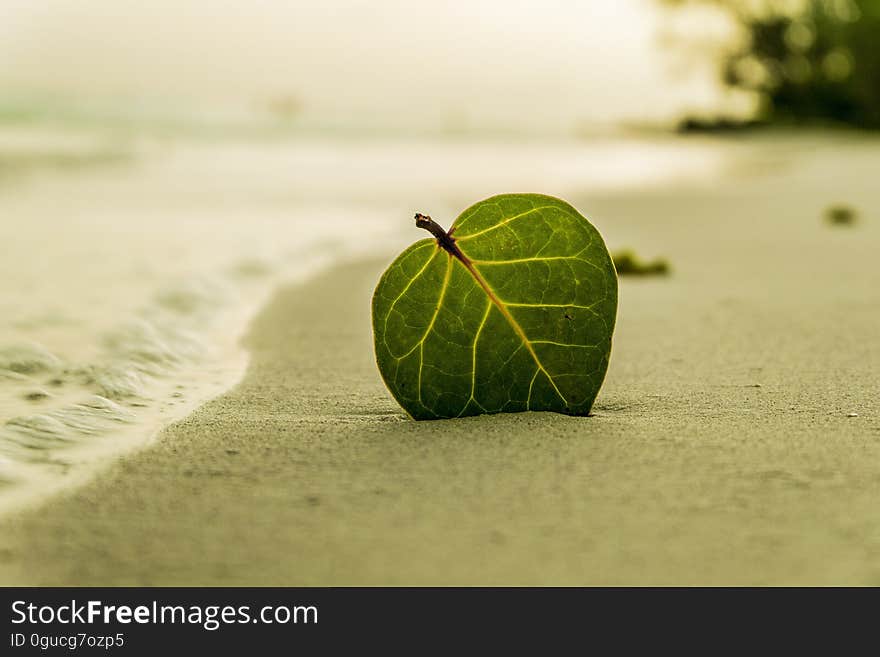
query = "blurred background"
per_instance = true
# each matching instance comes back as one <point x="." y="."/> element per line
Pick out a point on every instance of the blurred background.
<point x="393" y="67"/>
<point x="344" y="66"/>
<point x="164" y="165"/>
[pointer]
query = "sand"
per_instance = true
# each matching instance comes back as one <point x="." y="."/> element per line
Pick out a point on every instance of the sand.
<point x="736" y="440"/>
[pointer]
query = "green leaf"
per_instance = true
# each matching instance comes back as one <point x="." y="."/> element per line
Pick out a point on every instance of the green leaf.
<point x="511" y="310"/>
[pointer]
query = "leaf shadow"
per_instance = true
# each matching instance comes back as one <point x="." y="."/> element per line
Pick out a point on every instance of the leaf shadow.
<point x="373" y="419"/>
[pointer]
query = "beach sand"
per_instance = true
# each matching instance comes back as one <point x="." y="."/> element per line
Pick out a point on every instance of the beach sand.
<point x="736" y="439"/>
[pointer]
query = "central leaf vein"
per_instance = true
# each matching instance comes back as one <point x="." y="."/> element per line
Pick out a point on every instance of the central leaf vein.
<point x="493" y="297"/>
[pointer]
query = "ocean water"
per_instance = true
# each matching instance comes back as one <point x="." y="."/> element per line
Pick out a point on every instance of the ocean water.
<point x="130" y="265"/>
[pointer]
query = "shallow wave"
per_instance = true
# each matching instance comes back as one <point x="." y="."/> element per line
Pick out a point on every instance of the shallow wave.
<point x="26" y="437"/>
<point x="168" y="334"/>
<point x="19" y="360"/>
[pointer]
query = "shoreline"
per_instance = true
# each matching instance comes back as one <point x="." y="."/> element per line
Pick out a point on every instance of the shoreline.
<point x="307" y="473"/>
<point x="161" y="401"/>
<point x="36" y="484"/>
<point x="53" y="462"/>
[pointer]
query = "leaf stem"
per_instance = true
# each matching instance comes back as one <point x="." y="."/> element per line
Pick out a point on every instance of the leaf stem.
<point x="444" y="239"/>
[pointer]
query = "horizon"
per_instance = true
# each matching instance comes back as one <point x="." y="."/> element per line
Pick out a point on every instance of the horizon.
<point x="465" y="74"/>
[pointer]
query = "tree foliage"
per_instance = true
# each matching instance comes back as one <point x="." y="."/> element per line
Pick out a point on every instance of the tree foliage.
<point x="810" y="61"/>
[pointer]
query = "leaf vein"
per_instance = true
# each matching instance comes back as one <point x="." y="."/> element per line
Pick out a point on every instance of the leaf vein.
<point x="517" y="261"/>
<point x="513" y="323"/>
<point x="392" y="309"/>
<point x="474" y="359"/>
<point x="504" y="222"/>
<point x="440" y="300"/>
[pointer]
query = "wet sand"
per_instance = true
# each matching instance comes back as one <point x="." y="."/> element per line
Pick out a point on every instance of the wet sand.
<point x="736" y="440"/>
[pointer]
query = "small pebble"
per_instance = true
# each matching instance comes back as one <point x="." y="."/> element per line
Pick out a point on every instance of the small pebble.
<point x="36" y="395"/>
<point x="852" y="414"/>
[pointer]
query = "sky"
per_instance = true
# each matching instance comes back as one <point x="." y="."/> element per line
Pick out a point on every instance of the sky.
<point x="503" y="63"/>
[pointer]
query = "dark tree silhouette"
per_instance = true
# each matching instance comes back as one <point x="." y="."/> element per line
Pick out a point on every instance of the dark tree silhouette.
<point x="817" y="61"/>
